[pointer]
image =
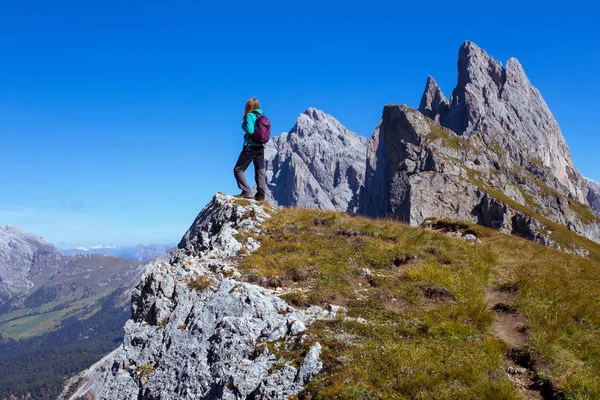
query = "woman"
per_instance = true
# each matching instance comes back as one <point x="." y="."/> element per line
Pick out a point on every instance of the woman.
<point x="251" y="152"/>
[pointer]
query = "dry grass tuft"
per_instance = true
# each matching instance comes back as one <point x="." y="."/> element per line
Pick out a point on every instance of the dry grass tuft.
<point x="201" y="282"/>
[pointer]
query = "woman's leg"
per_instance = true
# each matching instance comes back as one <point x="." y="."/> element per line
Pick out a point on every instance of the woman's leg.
<point x="245" y="158"/>
<point x="259" y="174"/>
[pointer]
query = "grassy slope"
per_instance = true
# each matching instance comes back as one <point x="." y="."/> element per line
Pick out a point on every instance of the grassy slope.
<point x="73" y="293"/>
<point x="420" y="328"/>
<point x="26" y="322"/>
<point x="561" y="234"/>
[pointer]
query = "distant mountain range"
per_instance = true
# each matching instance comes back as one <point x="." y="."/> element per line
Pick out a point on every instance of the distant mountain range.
<point x="140" y="252"/>
<point x="58" y="313"/>
<point x="39" y="286"/>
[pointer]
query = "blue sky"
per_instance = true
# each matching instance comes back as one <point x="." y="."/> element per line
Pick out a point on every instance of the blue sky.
<point x="119" y="120"/>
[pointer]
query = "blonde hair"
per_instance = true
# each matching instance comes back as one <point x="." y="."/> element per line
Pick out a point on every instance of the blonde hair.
<point x="251" y="105"/>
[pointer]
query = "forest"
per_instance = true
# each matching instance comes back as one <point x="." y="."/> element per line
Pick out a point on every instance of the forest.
<point x="37" y="368"/>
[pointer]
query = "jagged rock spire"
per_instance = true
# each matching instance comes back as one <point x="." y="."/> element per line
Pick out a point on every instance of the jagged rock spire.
<point x="318" y="164"/>
<point x="433" y="103"/>
<point x="500" y="104"/>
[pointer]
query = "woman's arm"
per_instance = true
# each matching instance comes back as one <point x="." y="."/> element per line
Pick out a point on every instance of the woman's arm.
<point x="248" y="125"/>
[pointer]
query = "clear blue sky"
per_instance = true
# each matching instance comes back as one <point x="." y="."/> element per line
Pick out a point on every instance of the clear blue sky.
<point x="120" y="119"/>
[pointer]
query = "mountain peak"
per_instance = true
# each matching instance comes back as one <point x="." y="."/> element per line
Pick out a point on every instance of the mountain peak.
<point x="12" y="228"/>
<point x="318" y="164"/>
<point x="433" y="103"/>
<point x="502" y="106"/>
<point x="315" y="113"/>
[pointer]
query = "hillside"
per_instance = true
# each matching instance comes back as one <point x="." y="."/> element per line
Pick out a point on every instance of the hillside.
<point x="40" y="287"/>
<point x="375" y="309"/>
<point x="58" y="314"/>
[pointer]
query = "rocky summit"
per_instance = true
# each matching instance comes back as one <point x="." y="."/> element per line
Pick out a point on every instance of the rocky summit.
<point x="492" y="154"/>
<point x="499" y="104"/>
<point x="318" y="164"/>
<point x="198" y="332"/>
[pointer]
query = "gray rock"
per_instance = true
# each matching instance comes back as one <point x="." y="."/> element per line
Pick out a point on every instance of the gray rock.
<point x="500" y="104"/>
<point x="209" y="340"/>
<point x="365" y="272"/>
<point x="433" y="103"/>
<point x="318" y="164"/>
<point x="446" y="182"/>
<point x="593" y="196"/>
<point x="469" y="237"/>
<point x="23" y="258"/>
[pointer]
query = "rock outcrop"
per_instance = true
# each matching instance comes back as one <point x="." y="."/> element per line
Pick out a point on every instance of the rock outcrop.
<point x="500" y="104"/>
<point x="593" y="196"/>
<point x="198" y="333"/>
<point x="433" y="103"/>
<point x="318" y="164"/>
<point x="418" y="170"/>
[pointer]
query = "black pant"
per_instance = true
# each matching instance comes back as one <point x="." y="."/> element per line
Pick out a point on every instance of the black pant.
<point x="248" y="155"/>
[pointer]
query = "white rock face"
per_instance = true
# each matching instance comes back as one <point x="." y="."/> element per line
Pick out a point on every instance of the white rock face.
<point x="214" y="341"/>
<point x="23" y="257"/>
<point x="318" y="164"/>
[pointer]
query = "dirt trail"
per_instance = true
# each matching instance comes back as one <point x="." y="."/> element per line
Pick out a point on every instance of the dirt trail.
<point x="511" y="328"/>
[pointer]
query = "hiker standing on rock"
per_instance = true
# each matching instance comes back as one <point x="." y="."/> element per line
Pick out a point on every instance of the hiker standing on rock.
<point x="257" y="131"/>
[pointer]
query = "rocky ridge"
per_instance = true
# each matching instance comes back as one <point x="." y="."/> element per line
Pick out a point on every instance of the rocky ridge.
<point x="23" y="258"/>
<point x="418" y="170"/>
<point x="500" y="104"/>
<point x="318" y="164"/>
<point x="198" y="332"/>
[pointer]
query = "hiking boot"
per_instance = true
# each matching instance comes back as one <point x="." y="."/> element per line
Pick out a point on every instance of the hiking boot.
<point x="259" y="198"/>
<point x="245" y="195"/>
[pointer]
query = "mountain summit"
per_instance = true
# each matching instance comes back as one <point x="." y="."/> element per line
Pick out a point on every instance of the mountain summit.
<point x="265" y="303"/>
<point x="318" y="164"/>
<point x="500" y="104"/>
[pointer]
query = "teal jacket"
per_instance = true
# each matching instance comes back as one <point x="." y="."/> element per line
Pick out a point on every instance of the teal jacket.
<point x="248" y="127"/>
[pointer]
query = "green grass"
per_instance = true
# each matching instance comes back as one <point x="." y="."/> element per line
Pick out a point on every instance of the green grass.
<point x="448" y="139"/>
<point x="584" y="212"/>
<point x="412" y="344"/>
<point x="560" y="295"/>
<point x="418" y="346"/>
<point x="20" y="325"/>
